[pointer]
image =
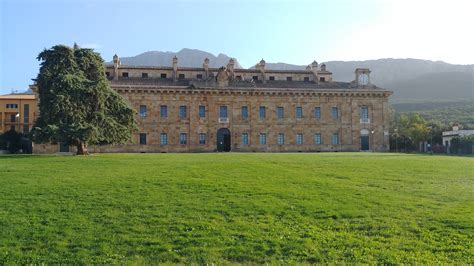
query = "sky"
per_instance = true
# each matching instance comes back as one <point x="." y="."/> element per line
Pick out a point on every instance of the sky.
<point x="295" y="32"/>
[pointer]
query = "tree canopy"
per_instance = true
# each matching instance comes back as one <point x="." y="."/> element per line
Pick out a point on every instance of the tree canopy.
<point x="76" y="104"/>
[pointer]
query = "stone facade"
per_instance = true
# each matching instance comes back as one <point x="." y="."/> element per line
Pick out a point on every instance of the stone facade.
<point x="222" y="109"/>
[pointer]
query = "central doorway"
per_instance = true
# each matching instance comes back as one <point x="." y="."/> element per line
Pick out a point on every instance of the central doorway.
<point x="223" y="140"/>
<point x="364" y="140"/>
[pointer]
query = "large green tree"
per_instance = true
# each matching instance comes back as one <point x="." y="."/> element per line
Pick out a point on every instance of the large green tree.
<point x="76" y="104"/>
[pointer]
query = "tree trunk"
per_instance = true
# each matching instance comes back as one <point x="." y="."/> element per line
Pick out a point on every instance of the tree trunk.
<point x="82" y="148"/>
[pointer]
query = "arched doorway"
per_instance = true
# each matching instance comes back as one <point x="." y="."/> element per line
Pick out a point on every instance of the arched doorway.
<point x="364" y="140"/>
<point x="223" y="139"/>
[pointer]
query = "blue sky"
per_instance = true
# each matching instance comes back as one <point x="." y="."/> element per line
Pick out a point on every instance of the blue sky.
<point x="278" y="31"/>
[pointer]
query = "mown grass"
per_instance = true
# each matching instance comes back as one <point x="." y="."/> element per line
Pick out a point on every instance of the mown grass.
<point x="236" y="208"/>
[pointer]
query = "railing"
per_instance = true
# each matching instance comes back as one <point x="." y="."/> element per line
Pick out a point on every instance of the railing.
<point x="223" y="120"/>
<point x="365" y="120"/>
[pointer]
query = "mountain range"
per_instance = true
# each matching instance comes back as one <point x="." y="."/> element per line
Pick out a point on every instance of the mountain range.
<point x="414" y="79"/>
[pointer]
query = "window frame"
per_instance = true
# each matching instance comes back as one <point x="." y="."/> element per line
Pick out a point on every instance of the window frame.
<point x="299" y="139"/>
<point x="183" y="138"/>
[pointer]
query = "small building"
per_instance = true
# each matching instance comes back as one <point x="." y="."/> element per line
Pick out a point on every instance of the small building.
<point x="17" y="112"/>
<point x="456" y="132"/>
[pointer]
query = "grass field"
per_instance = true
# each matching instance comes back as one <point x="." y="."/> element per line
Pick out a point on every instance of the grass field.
<point x="236" y="208"/>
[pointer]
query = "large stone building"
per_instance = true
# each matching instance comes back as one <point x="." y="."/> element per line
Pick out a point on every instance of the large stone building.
<point x="17" y="112"/>
<point x="187" y="109"/>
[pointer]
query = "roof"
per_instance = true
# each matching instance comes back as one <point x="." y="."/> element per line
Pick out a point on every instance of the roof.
<point x="18" y="96"/>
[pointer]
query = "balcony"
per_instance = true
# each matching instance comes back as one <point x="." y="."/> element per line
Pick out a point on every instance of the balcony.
<point x="365" y="120"/>
<point x="223" y="120"/>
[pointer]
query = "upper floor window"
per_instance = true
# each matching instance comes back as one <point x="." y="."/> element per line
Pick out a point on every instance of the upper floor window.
<point x="199" y="76"/>
<point x="271" y="78"/>
<point x="26" y="113"/>
<point x="281" y="139"/>
<point x="317" y="139"/>
<point x="163" y="111"/>
<point x="322" y="79"/>
<point x="335" y="112"/>
<point x="12" y="105"/>
<point x="142" y="110"/>
<point x="306" y="79"/>
<point x="299" y="139"/>
<point x="255" y="78"/>
<point x="280" y="112"/>
<point x="202" y="111"/>
<point x="125" y="74"/>
<point x="299" y="112"/>
<point x="245" y="139"/>
<point x="202" y="139"/>
<point x="223" y="111"/>
<point x="107" y="74"/>
<point x="142" y="139"/>
<point x="238" y="77"/>
<point x="182" y="112"/>
<point x="183" y="138"/>
<point x="335" y="139"/>
<point x="317" y="112"/>
<point x="163" y="139"/>
<point x="181" y="76"/>
<point x="144" y="75"/>
<point x="163" y="75"/>
<point x="364" y="112"/>
<point x="245" y="112"/>
<point x="289" y="78"/>
<point x="263" y="139"/>
<point x="262" y="112"/>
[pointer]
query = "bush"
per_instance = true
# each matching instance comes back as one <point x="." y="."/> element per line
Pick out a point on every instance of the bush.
<point x="15" y="142"/>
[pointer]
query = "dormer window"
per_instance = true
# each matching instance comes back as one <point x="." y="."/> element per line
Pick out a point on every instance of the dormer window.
<point x="306" y="79"/>
<point x="107" y="74"/>
<point x="289" y="78"/>
<point x="144" y="75"/>
<point x="322" y="79"/>
<point x="125" y="74"/>
<point x="271" y="78"/>
<point x="199" y="76"/>
<point x="163" y="76"/>
<point x="255" y="78"/>
<point x="181" y="76"/>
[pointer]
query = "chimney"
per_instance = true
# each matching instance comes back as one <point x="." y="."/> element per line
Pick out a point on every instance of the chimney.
<point x="175" y="68"/>
<point x="116" y="61"/>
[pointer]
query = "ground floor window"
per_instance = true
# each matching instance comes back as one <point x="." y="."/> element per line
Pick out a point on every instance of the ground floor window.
<point x="245" y="139"/>
<point x="317" y="139"/>
<point x="163" y="139"/>
<point x="183" y="138"/>
<point x="263" y="139"/>
<point x="142" y="138"/>
<point x="281" y="139"/>
<point x="335" y="139"/>
<point x="299" y="139"/>
<point x="202" y="138"/>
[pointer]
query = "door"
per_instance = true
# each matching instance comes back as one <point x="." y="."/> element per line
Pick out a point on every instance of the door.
<point x="63" y="147"/>
<point x="223" y="140"/>
<point x="364" y="143"/>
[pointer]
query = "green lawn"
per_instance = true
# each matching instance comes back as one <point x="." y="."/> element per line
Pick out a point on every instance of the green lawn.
<point x="236" y="208"/>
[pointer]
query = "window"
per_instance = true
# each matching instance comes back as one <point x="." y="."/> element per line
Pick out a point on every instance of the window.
<point x="12" y="118"/>
<point x="245" y="139"/>
<point x="183" y="138"/>
<point x="299" y="112"/>
<point x="335" y="139"/>
<point x="144" y="75"/>
<point x="163" y="76"/>
<point x="12" y="106"/>
<point x="163" y="111"/>
<point x="317" y="112"/>
<point x="280" y="112"/>
<point x="289" y="78"/>
<point x="255" y="78"/>
<point x="263" y="139"/>
<point x="271" y="78"/>
<point x="182" y="112"/>
<point x="142" y="111"/>
<point x="306" y="79"/>
<point x="317" y="139"/>
<point x="238" y="77"/>
<point x="202" y="138"/>
<point x="262" y="112"/>
<point x="245" y="112"/>
<point x="107" y="74"/>
<point x="335" y="113"/>
<point x="223" y="111"/>
<point x="125" y="74"/>
<point x="181" y="76"/>
<point x="142" y="138"/>
<point x="202" y="111"/>
<point x="164" y="139"/>
<point x="299" y="139"/>
<point x="322" y="79"/>
<point x="199" y="76"/>
<point x="364" y="112"/>
<point x="26" y="113"/>
<point x="281" y="139"/>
